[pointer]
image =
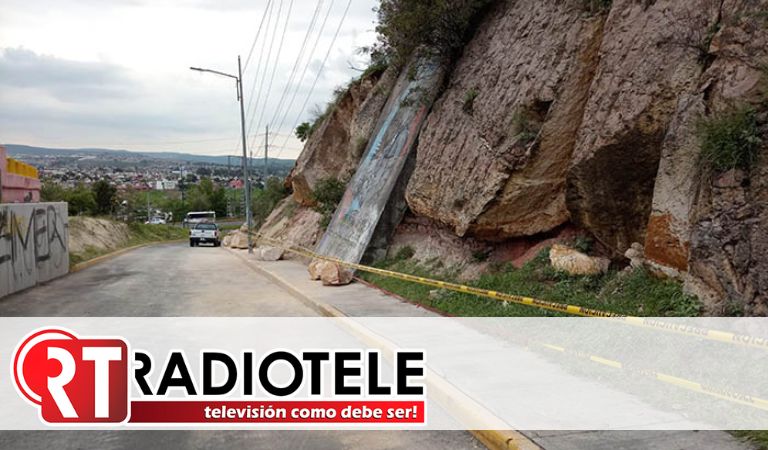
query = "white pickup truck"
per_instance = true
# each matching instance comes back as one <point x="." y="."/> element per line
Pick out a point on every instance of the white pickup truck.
<point x="204" y="233"/>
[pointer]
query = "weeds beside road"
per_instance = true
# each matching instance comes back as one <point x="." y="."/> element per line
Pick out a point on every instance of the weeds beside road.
<point x="635" y="293"/>
<point x="138" y="234"/>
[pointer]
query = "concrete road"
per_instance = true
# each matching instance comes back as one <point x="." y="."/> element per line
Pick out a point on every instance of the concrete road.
<point x="163" y="280"/>
<point x="176" y="280"/>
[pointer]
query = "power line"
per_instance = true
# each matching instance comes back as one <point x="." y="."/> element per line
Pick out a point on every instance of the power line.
<point x="267" y="14"/>
<point x="306" y="67"/>
<point x="268" y="92"/>
<point x="320" y="71"/>
<point x="251" y="103"/>
<point x="266" y="64"/>
<point x="296" y="63"/>
<point x="256" y="38"/>
<point x="274" y="67"/>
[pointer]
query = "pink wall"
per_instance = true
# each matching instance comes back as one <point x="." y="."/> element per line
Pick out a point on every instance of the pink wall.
<point x="15" y="188"/>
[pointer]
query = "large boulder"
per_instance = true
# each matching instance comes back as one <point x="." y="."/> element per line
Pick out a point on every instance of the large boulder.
<point x="333" y="274"/>
<point x="268" y="253"/>
<point x="239" y="240"/>
<point x="573" y="262"/>
<point x="494" y="151"/>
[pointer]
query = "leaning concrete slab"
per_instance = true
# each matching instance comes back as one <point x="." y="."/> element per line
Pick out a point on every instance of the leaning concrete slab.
<point x="370" y="188"/>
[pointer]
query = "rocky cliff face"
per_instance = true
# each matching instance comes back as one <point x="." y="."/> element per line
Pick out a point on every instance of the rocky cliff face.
<point x="493" y="156"/>
<point x="571" y="113"/>
<point x="335" y="147"/>
<point x="728" y="232"/>
<point x="559" y="114"/>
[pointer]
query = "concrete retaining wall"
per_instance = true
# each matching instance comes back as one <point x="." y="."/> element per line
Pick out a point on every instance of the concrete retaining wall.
<point x="34" y="244"/>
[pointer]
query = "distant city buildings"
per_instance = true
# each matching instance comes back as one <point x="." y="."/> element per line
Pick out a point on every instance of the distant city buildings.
<point x="136" y="172"/>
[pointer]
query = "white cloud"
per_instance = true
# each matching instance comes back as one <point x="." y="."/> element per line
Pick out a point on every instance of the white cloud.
<point x="93" y="73"/>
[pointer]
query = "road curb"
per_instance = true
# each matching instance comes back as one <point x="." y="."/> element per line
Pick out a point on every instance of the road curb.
<point x="492" y="439"/>
<point x="106" y="257"/>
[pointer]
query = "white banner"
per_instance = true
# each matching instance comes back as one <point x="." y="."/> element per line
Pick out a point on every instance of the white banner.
<point x="384" y="373"/>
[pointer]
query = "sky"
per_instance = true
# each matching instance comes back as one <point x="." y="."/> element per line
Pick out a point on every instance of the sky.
<point x="115" y="73"/>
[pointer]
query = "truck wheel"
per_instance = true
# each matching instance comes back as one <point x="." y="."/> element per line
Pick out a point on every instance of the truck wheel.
<point x="191" y="243"/>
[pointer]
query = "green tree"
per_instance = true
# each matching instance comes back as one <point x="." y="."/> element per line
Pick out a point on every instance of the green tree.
<point x="197" y="200"/>
<point x="303" y="131"/>
<point x="105" y="195"/>
<point x="438" y="27"/>
<point x="52" y="192"/>
<point x="218" y="201"/>
<point x="81" y="200"/>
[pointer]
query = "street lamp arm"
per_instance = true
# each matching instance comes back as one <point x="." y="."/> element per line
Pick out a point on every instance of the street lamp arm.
<point x="214" y="71"/>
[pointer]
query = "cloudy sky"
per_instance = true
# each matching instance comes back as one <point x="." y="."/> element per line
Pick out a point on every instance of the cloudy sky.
<point x="115" y="73"/>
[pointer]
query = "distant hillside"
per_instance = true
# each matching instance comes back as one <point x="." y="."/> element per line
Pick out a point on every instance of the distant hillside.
<point x="21" y="150"/>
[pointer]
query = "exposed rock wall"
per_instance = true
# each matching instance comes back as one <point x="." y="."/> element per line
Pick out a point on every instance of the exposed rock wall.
<point x="559" y="117"/>
<point x="335" y="147"/>
<point x="493" y="156"/>
<point x="555" y="114"/>
<point x="728" y="261"/>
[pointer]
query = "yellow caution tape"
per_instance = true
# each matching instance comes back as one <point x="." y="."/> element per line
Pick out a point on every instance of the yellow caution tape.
<point x="645" y="322"/>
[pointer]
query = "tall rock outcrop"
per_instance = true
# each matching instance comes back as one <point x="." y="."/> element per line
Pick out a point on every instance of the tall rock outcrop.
<point x="728" y="258"/>
<point x="335" y="147"/>
<point x="573" y="114"/>
<point x="494" y="153"/>
<point x="649" y="67"/>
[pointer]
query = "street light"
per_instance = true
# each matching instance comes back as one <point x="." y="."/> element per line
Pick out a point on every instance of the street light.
<point x="239" y="85"/>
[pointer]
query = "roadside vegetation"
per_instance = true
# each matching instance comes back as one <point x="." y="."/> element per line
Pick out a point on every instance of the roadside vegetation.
<point x="103" y="199"/>
<point x="634" y="293"/>
<point x="137" y="234"/>
<point x="758" y="438"/>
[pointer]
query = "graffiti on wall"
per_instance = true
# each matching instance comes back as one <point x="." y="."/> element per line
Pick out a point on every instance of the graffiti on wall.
<point x="368" y="192"/>
<point x="33" y="244"/>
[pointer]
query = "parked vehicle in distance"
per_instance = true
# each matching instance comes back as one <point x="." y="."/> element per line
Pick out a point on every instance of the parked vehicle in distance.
<point x="194" y="218"/>
<point x="203" y="233"/>
<point x="156" y="221"/>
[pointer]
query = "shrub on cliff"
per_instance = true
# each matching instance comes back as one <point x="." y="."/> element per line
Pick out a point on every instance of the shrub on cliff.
<point x="327" y="195"/>
<point x="730" y="140"/>
<point x="440" y="27"/>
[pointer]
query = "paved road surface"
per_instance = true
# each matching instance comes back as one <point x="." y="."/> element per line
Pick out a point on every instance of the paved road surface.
<point x="164" y="280"/>
<point x="176" y="280"/>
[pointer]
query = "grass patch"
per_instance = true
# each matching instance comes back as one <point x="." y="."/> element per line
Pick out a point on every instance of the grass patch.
<point x="636" y="293"/>
<point x="139" y="234"/>
<point x="759" y="438"/>
<point x="730" y="140"/>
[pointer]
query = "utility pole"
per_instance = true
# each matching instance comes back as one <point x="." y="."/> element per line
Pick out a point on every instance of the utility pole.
<point x="149" y="212"/>
<point x="247" y="186"/>
<point x="248" y="214"/>
<point x="266" y="157"/>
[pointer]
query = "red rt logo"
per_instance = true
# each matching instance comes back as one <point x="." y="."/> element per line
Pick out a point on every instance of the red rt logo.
<point x="73" y="380"/>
